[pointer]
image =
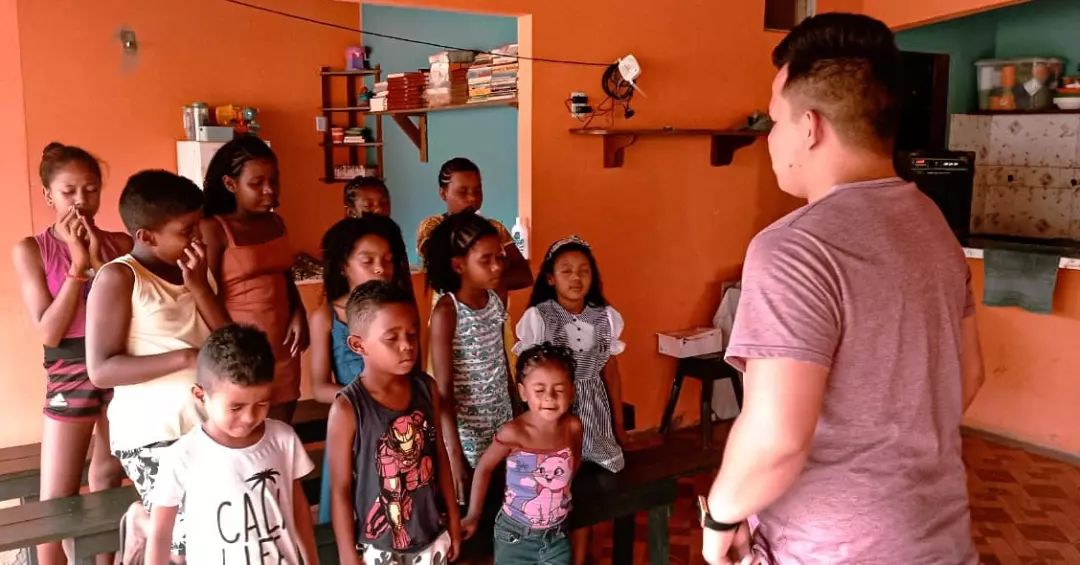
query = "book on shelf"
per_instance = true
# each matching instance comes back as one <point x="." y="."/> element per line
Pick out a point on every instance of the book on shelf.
<point x="451" y="56"/>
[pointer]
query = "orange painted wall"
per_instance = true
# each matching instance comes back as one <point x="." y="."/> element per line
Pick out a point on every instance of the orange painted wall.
<point x="1031" y="389"/>
<point x="61" y="62"/>
<point x="667" y="227"/>
<point x="910" y="13"/>
<point x="80" y="89"/>
<point x="19" y="350"/>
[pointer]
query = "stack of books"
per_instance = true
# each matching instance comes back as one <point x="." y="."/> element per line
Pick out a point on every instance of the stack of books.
<point x="480" y="78"/>
<point x="448" y="81"/>
<point x="378" y="102"/>
<point x="406" y="90"/>
<point x="494" y="76"/>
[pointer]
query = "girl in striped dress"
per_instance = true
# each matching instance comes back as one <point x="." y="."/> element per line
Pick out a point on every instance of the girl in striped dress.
<point x="464" y="264"/>
<point x="568" y="308"/>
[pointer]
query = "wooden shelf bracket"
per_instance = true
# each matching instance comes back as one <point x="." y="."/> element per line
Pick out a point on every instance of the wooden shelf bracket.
<point x="417" y="133"/>
<point x="724" y="143"/>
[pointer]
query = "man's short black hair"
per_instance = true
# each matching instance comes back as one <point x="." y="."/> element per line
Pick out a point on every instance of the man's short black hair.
<point x="366" y="300"/>
<point x="846" y="67"/>
<point x="236" y="353"/>
<point x="151" y="198"/>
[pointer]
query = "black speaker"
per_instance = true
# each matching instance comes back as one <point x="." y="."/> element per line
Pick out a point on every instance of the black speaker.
<point x="947" y="177"/>
<point x="925" y="114"/>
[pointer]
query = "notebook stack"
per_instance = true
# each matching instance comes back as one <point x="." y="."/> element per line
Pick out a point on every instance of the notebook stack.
<point x="479" y="76"/>
<point x="378" y="102"/>
<point x="504" y="72"/>
<point x="493" y="76"/>
<point x="406" y="90"/>
<point x="448" y="81"/>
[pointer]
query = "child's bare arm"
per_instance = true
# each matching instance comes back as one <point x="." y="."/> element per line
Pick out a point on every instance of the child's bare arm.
<point x="304" y="526"/>
<point x="297" y="339"/>
<point x="443" y="324"/>
<point x="341" y="433"/>
<point x="194" y="267"/>
<point x="493" y="456"/>
<point x="323" y="387"/>
<point x="577" y="435"/>
<point x="446" y="483"/>
<point x="108" y="320"/>
<point x="613" y="380"/>
<point x="159" y="540"/>
<point x="51" y="315"/>
<point x="517" y="274"/>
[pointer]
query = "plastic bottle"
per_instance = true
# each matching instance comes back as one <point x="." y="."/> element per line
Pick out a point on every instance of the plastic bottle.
<point x="521" y="237"/>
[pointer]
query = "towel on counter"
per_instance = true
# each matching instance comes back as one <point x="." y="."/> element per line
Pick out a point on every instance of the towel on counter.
<point x="1019" y="278"/>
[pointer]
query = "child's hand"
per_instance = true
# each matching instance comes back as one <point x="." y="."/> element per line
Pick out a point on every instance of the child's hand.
<point x="193" y="266"/>
<point x="468" y="526"/>
<point x="296" y="338"/>
<point x="462" y="479"/>
<point x="455" y="545"/>
<point x="68" y="230"/>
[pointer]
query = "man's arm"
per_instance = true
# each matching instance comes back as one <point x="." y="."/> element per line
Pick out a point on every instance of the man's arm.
<point x="770" y="440"/>
<point x="971" y="361"/>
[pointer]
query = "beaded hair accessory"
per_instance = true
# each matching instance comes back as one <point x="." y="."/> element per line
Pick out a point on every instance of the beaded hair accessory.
<point x="564" y="242"/>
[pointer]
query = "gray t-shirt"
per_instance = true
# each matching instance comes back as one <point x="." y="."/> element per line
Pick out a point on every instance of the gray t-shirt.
<point x="869" y="282"/>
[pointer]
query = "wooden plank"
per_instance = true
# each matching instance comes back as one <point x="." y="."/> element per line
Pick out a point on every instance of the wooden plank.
<point x="20" y="466"/>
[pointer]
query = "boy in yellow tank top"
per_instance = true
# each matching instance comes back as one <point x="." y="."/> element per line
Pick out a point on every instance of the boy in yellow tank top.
<point x="148" y="314"/>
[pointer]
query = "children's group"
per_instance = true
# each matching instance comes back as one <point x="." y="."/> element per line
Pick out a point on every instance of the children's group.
<point x="172" y="353"/>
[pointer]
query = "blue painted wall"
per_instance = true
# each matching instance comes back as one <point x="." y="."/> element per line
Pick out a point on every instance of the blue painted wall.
<point x="1039" y="28"/>
<point x="488" y="136"/>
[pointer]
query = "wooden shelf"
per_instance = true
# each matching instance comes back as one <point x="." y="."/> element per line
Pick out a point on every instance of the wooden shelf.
<point x="356" y="109"/>
<point x="341" y="181"/>
<point x="417" y="132"/>
<point x="417" y="111"/>
<point x="1022" y="112"/>
<point x="371" y="144"/>
<point x="347" y="73"/>
<point x="722" y="151"/>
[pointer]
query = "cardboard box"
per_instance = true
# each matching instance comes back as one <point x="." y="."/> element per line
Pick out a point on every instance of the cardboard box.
<point x="691" y="342"/>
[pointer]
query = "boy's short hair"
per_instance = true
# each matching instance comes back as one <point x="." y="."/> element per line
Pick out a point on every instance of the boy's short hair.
<point x="366" y="300"/>
<point x="848" y="68"/>
<point x="153" y="197"/>
<point x="236" y="353"/>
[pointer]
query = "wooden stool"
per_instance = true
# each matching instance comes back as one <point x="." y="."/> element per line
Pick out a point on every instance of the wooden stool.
<point x="708" y="369"/>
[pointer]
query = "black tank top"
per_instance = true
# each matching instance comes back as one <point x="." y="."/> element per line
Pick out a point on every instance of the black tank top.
<point x="398" y="504"/>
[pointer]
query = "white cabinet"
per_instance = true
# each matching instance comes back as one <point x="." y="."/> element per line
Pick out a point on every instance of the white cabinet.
<point x="193" y="157"/>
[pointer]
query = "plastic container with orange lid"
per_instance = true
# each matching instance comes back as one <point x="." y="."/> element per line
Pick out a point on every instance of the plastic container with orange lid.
<point x="1018" y="84"/>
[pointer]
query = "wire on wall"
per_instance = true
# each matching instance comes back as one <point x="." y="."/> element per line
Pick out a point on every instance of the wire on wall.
<point x="407" y="39"/>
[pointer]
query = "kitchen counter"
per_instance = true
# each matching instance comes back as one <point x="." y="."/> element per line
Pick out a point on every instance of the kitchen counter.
<point x="1068" y="250"/>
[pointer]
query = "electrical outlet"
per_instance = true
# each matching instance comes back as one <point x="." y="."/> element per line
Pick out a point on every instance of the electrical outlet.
<point x="321" y="124"/>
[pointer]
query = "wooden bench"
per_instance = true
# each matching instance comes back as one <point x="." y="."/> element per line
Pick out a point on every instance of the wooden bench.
<point x="91" y="520"/>
<point x="20" y="472"/>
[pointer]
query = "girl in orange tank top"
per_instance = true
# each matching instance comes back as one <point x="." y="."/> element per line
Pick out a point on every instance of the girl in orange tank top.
<point x="249" y="254"/>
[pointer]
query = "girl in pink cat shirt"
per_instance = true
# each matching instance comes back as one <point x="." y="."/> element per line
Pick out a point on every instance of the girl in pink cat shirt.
<point x="542" y="449"/>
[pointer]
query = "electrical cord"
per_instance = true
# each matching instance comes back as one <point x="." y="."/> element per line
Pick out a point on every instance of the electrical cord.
<point x="409" y="40"/>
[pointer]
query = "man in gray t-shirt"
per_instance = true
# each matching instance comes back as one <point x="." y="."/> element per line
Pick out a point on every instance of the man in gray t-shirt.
<point x="855" y="331"/>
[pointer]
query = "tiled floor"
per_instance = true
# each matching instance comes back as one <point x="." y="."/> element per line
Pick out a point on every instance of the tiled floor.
<point x="1025" y="510"/>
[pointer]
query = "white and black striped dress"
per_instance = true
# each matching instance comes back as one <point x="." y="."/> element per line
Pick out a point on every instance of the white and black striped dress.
<point x="593" y="335"/>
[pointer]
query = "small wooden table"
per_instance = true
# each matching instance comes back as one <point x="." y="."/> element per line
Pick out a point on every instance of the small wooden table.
<point x="708" y="369"/>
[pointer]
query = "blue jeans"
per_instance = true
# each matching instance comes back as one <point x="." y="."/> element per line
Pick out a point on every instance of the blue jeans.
<point x="518" y="544"/>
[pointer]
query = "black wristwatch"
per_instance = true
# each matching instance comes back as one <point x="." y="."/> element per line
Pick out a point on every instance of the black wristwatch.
<point x="707" y="521"/>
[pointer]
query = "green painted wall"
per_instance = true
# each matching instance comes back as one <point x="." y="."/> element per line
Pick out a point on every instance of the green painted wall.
<point x="965" y="40"/>
<point x="1039" y="28"/>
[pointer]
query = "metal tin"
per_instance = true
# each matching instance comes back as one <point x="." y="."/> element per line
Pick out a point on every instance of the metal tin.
<point x="189" y="122"/>
<point x="201" y="112"/>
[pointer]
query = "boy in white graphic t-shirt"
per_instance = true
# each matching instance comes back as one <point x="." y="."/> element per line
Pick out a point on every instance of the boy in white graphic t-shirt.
<point x="238" y="475"/>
